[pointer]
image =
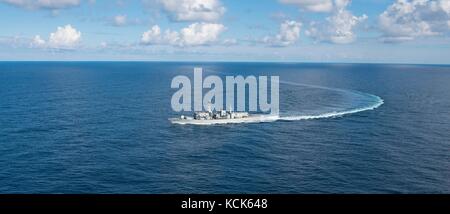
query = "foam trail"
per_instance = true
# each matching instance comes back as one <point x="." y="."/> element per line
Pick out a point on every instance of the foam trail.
<point x="261" y="118"/>
<point x="378" y="101"/>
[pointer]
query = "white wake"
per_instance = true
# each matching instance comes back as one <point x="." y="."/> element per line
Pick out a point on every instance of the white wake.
<point x="375" y="102"/>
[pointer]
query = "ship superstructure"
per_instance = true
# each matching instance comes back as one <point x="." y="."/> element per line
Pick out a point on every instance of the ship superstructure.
<point x="210" y="117"/>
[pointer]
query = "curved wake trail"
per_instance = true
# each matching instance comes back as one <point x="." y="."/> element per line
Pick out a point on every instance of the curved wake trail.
<point x="377" y="102"/>
<point x="374" y="103"/>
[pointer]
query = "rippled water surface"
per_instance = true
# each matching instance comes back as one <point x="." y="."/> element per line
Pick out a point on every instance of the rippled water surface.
<point x="90" y="127"/>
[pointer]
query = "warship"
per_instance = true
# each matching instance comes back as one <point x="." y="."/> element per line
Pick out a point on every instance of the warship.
<point x="220" y="117"/>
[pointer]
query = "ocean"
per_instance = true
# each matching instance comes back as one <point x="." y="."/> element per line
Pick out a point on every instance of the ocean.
<point x="103" y="127"/>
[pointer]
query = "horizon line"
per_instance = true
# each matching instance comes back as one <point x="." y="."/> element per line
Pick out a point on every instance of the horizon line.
<point x="232" y="61"/>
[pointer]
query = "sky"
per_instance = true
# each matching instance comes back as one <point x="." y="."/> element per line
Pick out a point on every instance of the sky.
<point x="358" y="31"/>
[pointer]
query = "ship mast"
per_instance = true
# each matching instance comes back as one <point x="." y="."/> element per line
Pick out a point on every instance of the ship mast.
<point x="209" y="107"/>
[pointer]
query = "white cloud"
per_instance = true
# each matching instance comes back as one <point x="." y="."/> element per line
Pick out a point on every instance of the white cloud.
<point x="408" y="19"/>
<point x="65" y="37"/>
<point x="289" y="34"/>
<point x="193" y="10"/>
<point x="123" y="20"/>
<point x="38" y="41"/>
<point x="103" y="45"/>
<point x="43" y="4"/>
<point x="201" y="33"/>
<point x="152" y="36"/>
<point x="311" y="5"/>
<point x="120" y="20"/>
<point x="338" y="28"/>
<point x="229" y="42"/>
<point x="195" y="34"/>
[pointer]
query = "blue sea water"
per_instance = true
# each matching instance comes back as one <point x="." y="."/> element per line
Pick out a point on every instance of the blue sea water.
<point x="102" y="127"/>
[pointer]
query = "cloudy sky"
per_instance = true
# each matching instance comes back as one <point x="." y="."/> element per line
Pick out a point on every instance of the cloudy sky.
<point x="391" y="31"/>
